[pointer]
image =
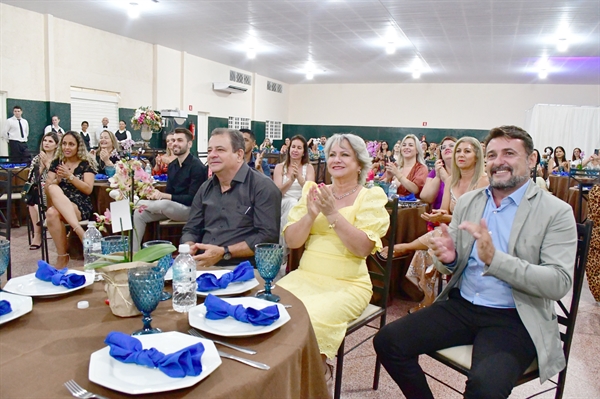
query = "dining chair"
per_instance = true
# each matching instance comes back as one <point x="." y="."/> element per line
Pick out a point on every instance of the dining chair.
<point x="379" y="272"/>
<point x="458" y="358"/>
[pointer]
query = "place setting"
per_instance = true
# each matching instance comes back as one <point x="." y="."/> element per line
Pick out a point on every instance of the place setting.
<point x="11" y="306"/>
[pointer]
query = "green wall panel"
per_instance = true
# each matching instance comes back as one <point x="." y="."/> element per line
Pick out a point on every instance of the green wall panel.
<point x="214" y="122"/>
<point x="389" y="134"/>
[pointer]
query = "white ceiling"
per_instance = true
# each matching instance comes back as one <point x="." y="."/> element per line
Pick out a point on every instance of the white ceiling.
<point x="487" y="41"/>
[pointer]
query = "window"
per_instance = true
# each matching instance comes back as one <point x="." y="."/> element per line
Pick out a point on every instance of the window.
<point x="237" y="122"/>
<point x="273" y="130"/>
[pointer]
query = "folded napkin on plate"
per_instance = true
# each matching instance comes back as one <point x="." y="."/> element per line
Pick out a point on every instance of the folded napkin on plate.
<point x="5" y="308"/>
<point x="184" y="362"/>
<point x="45" y="272"/>
<point x="209" y="282"/>
<point x="409" y="197"/>
<point x="217" y="309"/>
<point x="100" y="176"/>
<point x="160" y="177"/>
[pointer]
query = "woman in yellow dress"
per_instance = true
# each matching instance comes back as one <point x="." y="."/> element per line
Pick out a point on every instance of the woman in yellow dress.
<point x="339" y="225"/>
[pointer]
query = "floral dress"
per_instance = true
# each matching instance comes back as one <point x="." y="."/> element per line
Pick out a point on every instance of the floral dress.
<point x="35" y="165"/>
<point x="83" y="201"/>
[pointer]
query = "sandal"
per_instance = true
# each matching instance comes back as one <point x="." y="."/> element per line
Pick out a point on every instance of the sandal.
<point x="34" y="247"/>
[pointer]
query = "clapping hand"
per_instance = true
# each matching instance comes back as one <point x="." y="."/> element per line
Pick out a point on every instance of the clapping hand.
<point x="483" y="237"/>
<point x="62" y="171"/>
<point x="436" y="215"/>
<point x="442" y="246"/>
<point x="320" y="199"/>
<point x="104" y="155"/>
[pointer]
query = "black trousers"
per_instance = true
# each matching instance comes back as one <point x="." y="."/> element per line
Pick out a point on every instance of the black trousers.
<point x="502" y="348"/>
<point x="19" y="149"/>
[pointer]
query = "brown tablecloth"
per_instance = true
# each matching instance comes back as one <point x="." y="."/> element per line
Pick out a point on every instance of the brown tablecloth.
<point x="559" y="186"/>
<point x="52" y="344"/>
<point x="573" y="200"/>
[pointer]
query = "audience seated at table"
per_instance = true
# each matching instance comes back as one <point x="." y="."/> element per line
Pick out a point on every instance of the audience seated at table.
<point x="40" y="164"/>
<point x="433" y="190"/>
<point x="538" y="176"/>
<point x="107" y="153"/>
<point x="69" y="184"/>
<point x="161" y="165"/>
<point x="313" y="150"/>
<point x="409" y="171"/>
<point x="266" y="145"/>
<point x="592" y="162"/>
<point x="184" y="177"/>
<point x="396" y="153"/>
<point x="576" y="158"/>
<point x="425" y="149"/>
<point x="291" y="175"/>
<point x="384" y="150"/>
<point x="339" y="225"/>
<point x="254" y="159"/>
<point x="467" y="174"/>
<point x="559" y="162"/>
<point x="285" y="146"/>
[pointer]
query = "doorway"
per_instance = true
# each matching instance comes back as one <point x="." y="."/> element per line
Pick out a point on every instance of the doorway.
<point x="202" y="135"/>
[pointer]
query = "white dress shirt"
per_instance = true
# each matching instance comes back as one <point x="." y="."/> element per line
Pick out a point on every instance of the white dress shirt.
<point x="12" y="131"/>
<point x="95" y="138"/>
<point x="49" y="129"/>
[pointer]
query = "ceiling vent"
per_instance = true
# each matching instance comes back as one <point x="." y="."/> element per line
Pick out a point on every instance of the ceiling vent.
<point x="227" y="87"/>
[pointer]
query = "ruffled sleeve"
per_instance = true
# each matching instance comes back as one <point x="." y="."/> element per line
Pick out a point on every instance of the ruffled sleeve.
<point x="372" y="218"/>
<point x="299" y="210"/>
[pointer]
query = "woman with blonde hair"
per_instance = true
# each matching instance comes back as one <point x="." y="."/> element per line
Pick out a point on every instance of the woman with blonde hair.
<point x="162" y="161"/>
<point x="108" y="153"/>
<point x="467" y="174"/>
<point x="410" y="173"/>
<point x="68" y="186"/>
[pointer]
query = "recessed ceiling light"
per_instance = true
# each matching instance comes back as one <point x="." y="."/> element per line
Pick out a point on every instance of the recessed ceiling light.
<point x="562" y="44"/>
<point x="310" y="70"/>
<point x="390" y="48"/>
<point x="251" y="53"/>
<point x="133" y="10"/>
<point x="416" y="74"/>
<point x="543" y="74"/>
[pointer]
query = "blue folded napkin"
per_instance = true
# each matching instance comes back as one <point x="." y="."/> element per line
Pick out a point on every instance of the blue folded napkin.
<point x="160" y="177"/>
<point x="209" y="282"/>
<point x="409" y="197"/>
<point x="217" y="309"/>
<point x="5" y="307"/>
<point x="45" y="272"/>
<point x="184" y="362"/>
<point x="100" y="176"/>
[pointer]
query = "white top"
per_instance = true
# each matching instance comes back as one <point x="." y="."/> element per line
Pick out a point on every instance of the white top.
<point x="295" y="190"/>
<point x="50" y="128"/>
<point x="12" y="131"/>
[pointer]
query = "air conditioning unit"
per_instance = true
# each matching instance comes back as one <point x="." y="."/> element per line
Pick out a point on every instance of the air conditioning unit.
<point x="227" y="87"/>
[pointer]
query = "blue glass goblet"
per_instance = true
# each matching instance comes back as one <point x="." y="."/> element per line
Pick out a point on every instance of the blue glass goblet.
<point x="4" y="256"/>
<point x="145" y="286"/>
<point x="114" y="244"/>
<point x="163" y="265"/>
<point x="268" y="262"/>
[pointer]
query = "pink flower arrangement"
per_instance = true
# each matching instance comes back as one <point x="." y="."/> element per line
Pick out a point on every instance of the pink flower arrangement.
<point x="373" y="148"/>
<point x="146" y="116"/>
<point x="121" y="182"/>
<point x="103" y="220"/>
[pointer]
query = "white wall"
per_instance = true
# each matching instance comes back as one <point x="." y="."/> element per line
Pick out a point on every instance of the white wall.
<point x="167" y="78"/>
<point x="453" y="106"/>
<point x="269" y="105"/>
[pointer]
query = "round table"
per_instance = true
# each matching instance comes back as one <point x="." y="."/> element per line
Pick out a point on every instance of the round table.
<point x="51" y="345"/>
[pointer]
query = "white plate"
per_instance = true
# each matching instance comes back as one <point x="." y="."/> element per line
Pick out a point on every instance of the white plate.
<point x="33" y="286"/>
<point x="230" y="327"/>
<point x="20" y="305"/>
<point x="135" y="379"/>
<point x="169" y="274"/>
<point x="232" y="288"/>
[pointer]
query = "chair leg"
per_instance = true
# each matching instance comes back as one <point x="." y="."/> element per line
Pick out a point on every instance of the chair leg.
<point x="560" y="385"/>
<point x="339" y="369"/>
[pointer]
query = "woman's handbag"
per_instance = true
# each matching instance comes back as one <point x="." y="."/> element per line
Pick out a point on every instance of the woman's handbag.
<point x="29" y="194"/>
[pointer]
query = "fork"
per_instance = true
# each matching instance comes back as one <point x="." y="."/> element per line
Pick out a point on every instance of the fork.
<point x="195" y="333"/>
<point x="79" y="392"/>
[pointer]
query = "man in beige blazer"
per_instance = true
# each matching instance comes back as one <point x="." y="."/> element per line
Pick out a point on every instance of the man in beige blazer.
<point x="511" y="249"/>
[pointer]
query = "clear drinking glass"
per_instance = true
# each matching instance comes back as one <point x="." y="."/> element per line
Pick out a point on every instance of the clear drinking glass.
<point x="4" y="256"/>
<point x="145" y="286"/>
<point x="268" y="261"/>
<point x="163" y="264"/>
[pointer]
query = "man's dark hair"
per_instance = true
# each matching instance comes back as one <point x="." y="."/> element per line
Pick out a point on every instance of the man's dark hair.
<point x="188" y="135"/>
<point x="86" y="122"/>
<point x="250" y="132"/>
<point x="235" y="137"/>
<point x="511" y="132"/>
<point x="17" y="107"/>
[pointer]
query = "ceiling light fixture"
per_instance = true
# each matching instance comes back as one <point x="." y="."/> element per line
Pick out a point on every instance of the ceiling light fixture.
<point x="251" y="53"/>
<point x="390" y="48"/>
<point x="562" y="45"/>
<point x="543" y="74"/>
<point x="310" y="71"/>
<point x="416" y="74"/>
<point x="133" y="10"/>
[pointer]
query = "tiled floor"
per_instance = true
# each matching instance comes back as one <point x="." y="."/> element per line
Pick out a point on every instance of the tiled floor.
<point x="582" y="376"/>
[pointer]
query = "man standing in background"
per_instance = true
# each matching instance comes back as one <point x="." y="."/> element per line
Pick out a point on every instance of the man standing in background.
<point x="16" y="132"/>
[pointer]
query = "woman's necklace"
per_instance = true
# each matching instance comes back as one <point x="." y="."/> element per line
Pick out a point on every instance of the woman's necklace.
<point x="346" y="194"/>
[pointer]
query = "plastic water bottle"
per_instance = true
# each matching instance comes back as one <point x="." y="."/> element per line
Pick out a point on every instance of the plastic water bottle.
<point x="392" y="190"/>
<point x="148" y="168"/>
<point x="91" y="244"/>
<point x="184" y="280"/>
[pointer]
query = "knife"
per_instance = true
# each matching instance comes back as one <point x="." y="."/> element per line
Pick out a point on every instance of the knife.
<point x="249" y="362"/>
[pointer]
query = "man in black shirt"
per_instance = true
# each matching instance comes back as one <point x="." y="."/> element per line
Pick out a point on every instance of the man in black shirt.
<point x="185" y="174"/>
<point x="234" y="210"/>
